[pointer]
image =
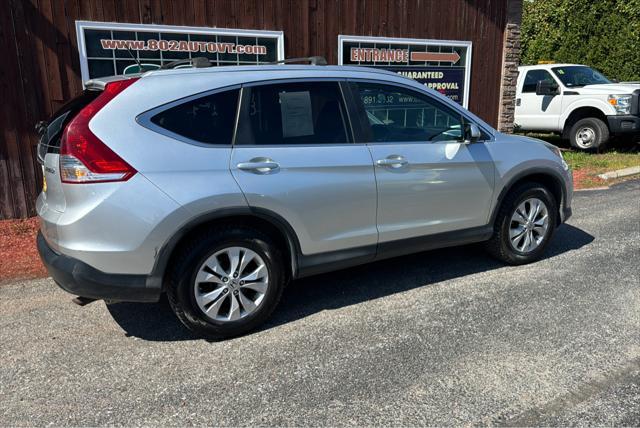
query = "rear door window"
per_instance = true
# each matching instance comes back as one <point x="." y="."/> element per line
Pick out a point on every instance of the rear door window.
<point x="293" y="114"/>
<point x="209" y="119"/>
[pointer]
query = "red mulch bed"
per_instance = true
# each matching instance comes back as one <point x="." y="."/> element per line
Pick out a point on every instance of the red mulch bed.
<point x="586" y="178"/>
<point x="19" y="257"/>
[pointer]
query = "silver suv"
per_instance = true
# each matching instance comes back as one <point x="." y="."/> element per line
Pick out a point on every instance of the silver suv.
<point x="217" y="186"/>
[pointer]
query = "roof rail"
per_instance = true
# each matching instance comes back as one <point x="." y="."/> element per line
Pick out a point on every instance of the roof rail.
<point x="197" y="62"/>
<point x="313" y="60"/>
<point x="203" y="62"/>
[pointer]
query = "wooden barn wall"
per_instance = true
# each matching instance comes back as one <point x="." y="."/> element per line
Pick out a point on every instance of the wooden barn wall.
<point x="40" y="66"/>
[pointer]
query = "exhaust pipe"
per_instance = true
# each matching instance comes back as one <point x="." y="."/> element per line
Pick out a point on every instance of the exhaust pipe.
<point x="82" y="301"/>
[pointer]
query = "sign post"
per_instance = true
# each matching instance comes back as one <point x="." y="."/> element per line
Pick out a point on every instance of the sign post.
<point x="106" y="48"/>
<point x="443" y="65"/>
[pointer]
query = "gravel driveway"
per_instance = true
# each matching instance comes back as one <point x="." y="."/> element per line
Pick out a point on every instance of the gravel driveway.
<point x="440" y="338"/>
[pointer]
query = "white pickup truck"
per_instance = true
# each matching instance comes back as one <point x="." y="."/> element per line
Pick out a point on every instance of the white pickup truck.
<point x="576" y="101"/>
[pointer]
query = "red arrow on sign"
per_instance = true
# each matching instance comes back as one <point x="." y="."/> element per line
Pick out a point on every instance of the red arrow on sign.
<point x="451" y="57"/>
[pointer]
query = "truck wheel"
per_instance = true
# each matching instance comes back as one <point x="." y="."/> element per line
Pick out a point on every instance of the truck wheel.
<point x="226" y="282"/>
<point x="589" y="133"/>
<point x="524" y="224"/>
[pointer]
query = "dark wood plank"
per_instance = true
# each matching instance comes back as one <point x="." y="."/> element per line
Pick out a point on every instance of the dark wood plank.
<point x="199" y="13"/>
<point x="27" y="106"/>
<point x="72" y="12"/>
<point x="15" y="183"/>
<point x="7" y="204"/>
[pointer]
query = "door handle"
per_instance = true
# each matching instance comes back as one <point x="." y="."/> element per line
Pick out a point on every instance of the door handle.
<point x="394" y="161"/>
<point x="258" y="166"/>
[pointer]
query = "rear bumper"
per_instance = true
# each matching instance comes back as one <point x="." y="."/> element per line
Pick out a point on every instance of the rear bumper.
<point x="624" y="124"/>
<point x="79" y="278"/>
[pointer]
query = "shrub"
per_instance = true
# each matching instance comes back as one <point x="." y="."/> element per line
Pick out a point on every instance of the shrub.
<point x="603" y="34"/>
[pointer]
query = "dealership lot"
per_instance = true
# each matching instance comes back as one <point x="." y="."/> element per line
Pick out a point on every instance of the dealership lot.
<point x="444" y="337"/>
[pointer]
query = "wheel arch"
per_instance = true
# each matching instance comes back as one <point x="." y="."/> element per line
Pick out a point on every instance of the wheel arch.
<point x="271" y="223"/>
<point x="547" y="177"/>
<point x="581" y="113"/>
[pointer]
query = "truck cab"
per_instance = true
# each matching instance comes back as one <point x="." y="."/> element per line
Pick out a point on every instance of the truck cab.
<point x="576" y="101"/>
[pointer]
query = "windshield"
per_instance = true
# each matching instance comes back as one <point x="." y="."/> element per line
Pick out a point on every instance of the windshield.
<point x="579" y="75"/>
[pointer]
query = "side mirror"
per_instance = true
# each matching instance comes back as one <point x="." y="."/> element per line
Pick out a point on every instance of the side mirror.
<point x="545" y="87"/>
<point x="471" y="133"/>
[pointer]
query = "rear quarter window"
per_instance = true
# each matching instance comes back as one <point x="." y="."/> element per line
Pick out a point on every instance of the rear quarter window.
<point x="208" y="119"/>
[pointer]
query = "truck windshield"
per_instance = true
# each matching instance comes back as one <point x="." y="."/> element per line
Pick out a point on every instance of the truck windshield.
<point x="579" y="75"/>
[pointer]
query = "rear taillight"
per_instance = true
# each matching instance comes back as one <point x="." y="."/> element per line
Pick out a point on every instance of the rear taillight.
<point x="83" y="157"/>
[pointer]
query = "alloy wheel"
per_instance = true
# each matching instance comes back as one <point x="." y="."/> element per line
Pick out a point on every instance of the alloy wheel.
<point x="231" y="284"/>
<point x="529" y="225"/>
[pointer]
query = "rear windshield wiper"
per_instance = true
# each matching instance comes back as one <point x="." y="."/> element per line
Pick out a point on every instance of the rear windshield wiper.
<point x="197" y="62"/>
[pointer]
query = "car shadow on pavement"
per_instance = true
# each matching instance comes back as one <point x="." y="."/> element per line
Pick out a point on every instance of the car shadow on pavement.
<point x="304" y="297"/>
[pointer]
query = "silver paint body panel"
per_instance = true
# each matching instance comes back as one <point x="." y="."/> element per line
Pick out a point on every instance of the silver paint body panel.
<point x="443" y="187"/>
<point x="327" y="194"/>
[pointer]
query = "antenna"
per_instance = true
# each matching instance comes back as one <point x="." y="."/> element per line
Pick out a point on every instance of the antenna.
<point x="140" y="68"/>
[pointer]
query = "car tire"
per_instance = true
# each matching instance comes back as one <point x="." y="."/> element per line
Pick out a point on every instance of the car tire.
<point x="209" y="258"/>
<point x="589" y="134"/>
<point x="509" y="247"/>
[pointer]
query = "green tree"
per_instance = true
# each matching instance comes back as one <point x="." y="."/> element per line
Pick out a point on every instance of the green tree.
<point x="604" y="34"/>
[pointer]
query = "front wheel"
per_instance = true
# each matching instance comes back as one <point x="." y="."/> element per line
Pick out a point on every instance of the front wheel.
<point x="589" y="133"/>
<point x="524" y="225"/>
<point x="226" y="282"/>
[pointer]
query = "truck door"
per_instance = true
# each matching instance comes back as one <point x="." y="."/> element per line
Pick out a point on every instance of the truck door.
<point x="537" y="112"/>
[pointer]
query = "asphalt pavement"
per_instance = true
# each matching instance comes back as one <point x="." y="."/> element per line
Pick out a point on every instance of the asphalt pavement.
<point x="446" y="337"/>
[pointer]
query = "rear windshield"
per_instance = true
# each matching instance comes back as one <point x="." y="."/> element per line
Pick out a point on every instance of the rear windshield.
<point x="209" y="119"/>
<point x="50" y="132"/>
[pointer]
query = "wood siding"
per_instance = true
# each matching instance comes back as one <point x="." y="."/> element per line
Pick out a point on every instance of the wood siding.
<point x="40" y="66"/>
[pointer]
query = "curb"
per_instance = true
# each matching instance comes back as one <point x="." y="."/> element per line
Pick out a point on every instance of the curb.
<point x="592" y="189"/>
<point x="620" y="173"/>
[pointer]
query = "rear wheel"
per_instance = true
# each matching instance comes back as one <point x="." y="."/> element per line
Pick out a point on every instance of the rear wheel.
<point x="589" y="133"/>
<point x="524" y="225"/>
<point x="226" y="282"/>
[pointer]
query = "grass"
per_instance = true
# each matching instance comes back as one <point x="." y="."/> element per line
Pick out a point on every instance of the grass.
<point x="586" y="166"/>
<point x="601" y="162"/>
